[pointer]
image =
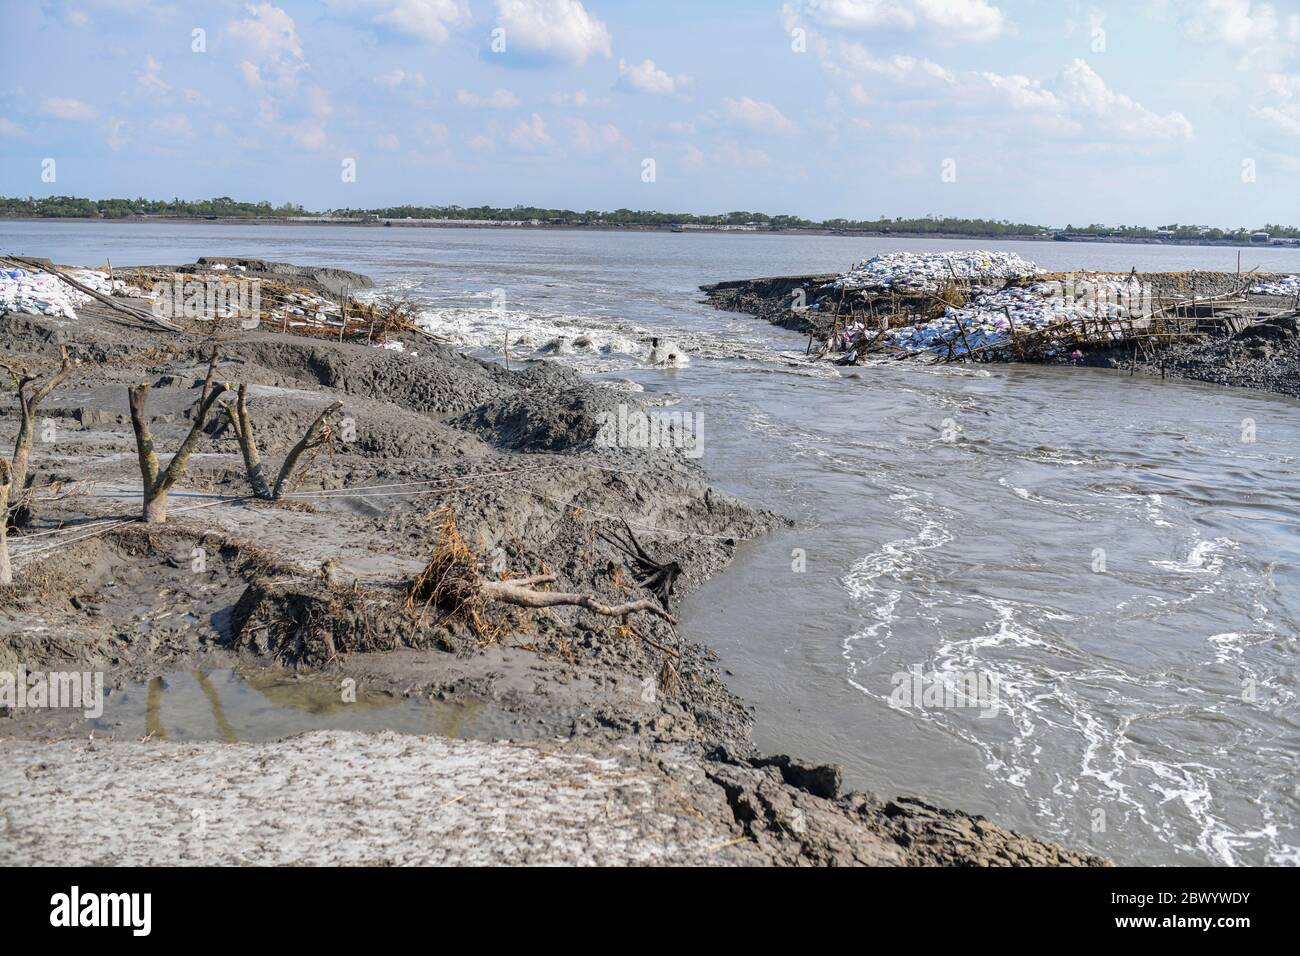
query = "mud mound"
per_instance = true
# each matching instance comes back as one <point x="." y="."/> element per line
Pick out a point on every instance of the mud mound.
<point x="554" y="410"/>
<point x="316" y="278"/>
<point x="439" y="381"/>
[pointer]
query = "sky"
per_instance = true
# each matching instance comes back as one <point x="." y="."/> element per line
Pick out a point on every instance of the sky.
<point x="1145" y="112"/>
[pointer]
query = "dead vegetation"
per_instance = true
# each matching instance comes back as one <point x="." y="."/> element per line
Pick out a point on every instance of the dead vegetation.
<point x="286" y="308"/>
<point x="454" y="584"/>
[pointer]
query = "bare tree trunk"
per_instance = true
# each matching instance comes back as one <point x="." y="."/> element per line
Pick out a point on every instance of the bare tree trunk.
<point x="156" y="485"/>
<point x="28" y="403"/>
<point x="312" y="439"/>
<point x="6" y="572"/>
<point x="242" y="423"/>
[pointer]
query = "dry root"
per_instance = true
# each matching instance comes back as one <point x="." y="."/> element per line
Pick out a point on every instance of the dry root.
<point x="453" y="581"/>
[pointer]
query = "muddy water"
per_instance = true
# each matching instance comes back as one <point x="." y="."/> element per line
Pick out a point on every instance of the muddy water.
<point x="1108" y="564"/>
<point x="225" y="705"/>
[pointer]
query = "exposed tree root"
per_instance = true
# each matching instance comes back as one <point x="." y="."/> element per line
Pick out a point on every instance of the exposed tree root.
<point x="452" y="581"/>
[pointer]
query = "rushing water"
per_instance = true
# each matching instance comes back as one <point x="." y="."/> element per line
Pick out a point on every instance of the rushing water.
<point x="1107" y="551"/>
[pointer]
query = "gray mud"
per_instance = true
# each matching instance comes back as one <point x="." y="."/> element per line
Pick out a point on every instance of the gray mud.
<point x="316" y="585"/>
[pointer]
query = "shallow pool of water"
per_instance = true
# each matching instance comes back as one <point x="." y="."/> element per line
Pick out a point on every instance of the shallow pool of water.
<point x="228" y="706"/>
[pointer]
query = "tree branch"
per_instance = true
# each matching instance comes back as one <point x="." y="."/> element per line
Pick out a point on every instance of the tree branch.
<point x="520" y="594"/>
<point x="311" y="439"/>
<point x="28" y="403"/>
<point x="176" y="467"/>
<point x="6" y="476"/>
<point x="242" y="425"/>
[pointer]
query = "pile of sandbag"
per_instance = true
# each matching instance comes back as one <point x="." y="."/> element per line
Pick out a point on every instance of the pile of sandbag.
<point x="988" y="319"/>
<point x="40" y="293"/>
<point x="1287" y="285"/>
<point x="907" y="272"/>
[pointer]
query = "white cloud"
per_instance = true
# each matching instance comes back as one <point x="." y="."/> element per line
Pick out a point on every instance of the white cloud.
<point x="433" y="133"/>
<point x="593" y="137"/>
<point x="65" y="107"/>
<point x="1282" y="111"/>
<point x="1022" y="93"/>
<point x="756" y="115"/>
<point x="396" y="78"/>
<point x="499" y="100"/>
<point x="1265" y="37"/>
<point x="915" y="72"/>
<point x="173" y="127"/>
<point x="736" y="156"/>
<point x="273" y="52"/>
<point x="118" y="134"/>
<point x="318" y="102"/>
<point x="9" y="128"/>
<point x="645" y="77"/>
<point x="270" y="33"/>
<point x="553" y="30"/>
<point x="530" y="134"/>
<point x="950" y="21"/>
<point x="423" y="19"/>
<point x="578" y="98"/>
<point x="309" y="135"/>
<point x="1087" y="92"/>
<point x="151" y="78"/>
<point x="1080" y="97"/>
<point x="389" y="142"/>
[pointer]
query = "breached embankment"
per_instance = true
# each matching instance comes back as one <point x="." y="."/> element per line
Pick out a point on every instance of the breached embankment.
<point x="624" y="743"/>
<point x="1226" y="328"/>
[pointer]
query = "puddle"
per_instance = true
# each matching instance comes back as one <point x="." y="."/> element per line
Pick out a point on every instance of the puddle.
<point x="228" y="706"/>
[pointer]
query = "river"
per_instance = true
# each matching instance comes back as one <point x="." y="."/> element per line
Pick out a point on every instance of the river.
<point x="1118" y="557"/>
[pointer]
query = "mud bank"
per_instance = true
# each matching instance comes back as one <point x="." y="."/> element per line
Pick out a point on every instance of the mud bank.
<point x="319" y="584"/>
<point x="387" y="799"/>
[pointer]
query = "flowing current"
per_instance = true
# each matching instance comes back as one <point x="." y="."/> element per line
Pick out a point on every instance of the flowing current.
<point x="1117" y="557"/>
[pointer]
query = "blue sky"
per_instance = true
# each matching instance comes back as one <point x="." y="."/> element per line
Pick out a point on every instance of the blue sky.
<point x="1051" y="111"/>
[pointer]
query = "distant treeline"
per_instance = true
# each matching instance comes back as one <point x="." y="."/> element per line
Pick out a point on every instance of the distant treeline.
<point x="72" y="207"/>
<point x="57" y="207"/>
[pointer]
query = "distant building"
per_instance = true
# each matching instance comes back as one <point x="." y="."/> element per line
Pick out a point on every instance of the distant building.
<point x="1259" y="237"/>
